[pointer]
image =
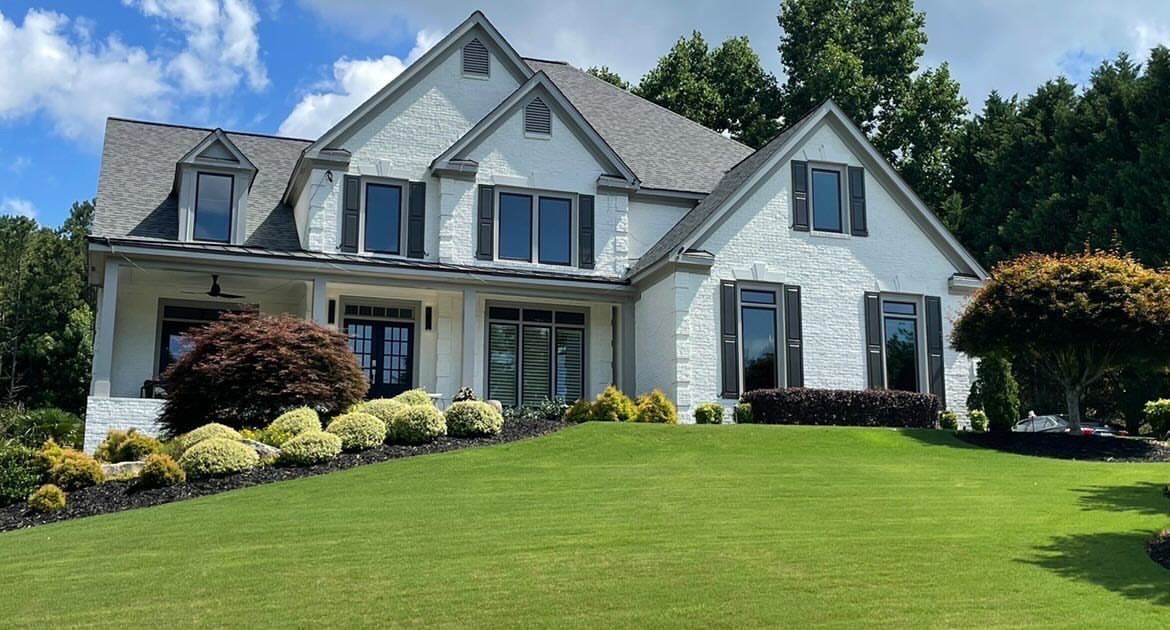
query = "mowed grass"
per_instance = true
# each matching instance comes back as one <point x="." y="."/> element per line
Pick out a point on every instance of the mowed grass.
<point x="628" y="526"/>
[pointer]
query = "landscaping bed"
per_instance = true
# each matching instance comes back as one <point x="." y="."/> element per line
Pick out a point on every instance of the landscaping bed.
<point x="115" y="496"/>
<point x="1060" y="446"/>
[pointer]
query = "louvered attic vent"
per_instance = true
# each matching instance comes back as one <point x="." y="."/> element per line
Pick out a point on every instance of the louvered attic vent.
<point x="537" y="118"/>
<point x="475" y="58"/>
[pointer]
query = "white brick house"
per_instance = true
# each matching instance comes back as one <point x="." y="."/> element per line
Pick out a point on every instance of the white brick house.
<point x="530" y="231"/>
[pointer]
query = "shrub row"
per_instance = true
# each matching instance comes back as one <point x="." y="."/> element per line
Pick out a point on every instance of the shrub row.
<point x="612" y="405"/>
<point x="839" y="407"/>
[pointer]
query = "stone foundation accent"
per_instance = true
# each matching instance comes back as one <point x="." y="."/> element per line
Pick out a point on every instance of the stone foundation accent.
<point x="103" y="414"/>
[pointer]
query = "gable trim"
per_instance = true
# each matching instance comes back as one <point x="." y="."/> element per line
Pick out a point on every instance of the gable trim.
<point x="218" y="135"/>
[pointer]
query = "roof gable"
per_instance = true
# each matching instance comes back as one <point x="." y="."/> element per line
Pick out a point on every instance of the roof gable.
<point x="217" y="149"/>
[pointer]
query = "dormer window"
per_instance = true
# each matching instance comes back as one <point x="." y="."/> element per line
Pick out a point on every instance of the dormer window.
<point x="212" y="182"/>
<point x="476" y="61"/>
<point x="213" y="207"/>
<point x="537" y="118"/>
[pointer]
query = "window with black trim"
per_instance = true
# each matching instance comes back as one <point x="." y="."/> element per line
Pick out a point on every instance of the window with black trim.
<point x="827" y="209"/>
<point x="556" y="231"/>
<point x="213" y="207"/>
<point x="383" y="218"/>
<point x="546" y="229"/>
<point x="760" y="325"/>
<point x="900" y="332"/>
<point x="535" y="354"/>
<point x="515" y="227"/>
<point x="177" y="321"/>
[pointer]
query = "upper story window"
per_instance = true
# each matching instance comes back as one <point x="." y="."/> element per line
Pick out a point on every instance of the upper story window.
<point x="537" y="118"/>
<point x="213" y="207"/>
<point x="556" y="231"/>
<point x="383" y="218"/>
<point x="515" y="227"/>
<point x="900" y="326"/>
<point x="476" y="60"/>
<point x="826" y="200"/>
<point x="548" y="230"/>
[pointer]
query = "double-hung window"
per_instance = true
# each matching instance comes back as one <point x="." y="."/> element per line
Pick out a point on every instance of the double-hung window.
<point x="535" y="354"/>
<point x="900" y="325"/>
<point x="383" y="218"/>
<point x="827" y="214"/>
<point x="548" y="229"/>
<point x="213" y="207"/>
<point x="760" y="322"/>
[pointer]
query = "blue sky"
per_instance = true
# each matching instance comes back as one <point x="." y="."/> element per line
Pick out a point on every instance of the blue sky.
<point x="295" y="66"/>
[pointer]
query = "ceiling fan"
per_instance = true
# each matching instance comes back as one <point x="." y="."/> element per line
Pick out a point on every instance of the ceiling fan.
<point x="215" y="291"/>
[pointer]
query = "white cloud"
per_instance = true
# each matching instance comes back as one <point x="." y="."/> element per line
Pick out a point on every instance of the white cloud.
<point x="19" y="164"/>
<point x="16" y="206"/>
<point x="354" y="81"/>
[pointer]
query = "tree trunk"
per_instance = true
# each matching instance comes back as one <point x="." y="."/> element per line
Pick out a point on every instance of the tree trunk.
<point x="1072" y="397"/>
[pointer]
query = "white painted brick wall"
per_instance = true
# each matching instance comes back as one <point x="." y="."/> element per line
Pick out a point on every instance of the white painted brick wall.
<point x="123" y="414"/>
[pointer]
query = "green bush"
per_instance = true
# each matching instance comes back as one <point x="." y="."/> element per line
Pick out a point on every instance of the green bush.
<point x="214" y="430"/>
<point x="126" y="446"/>
<point x="75" y="470"/>
<point x="978" y="420"/>
<point x="657" y="408"/>
<point x="310" y="447"/>
<point x="48" y="454"/>
<point x="473" y="418"/>
<point x="742" y="413"/>
<point x="1158" y="416"/>
<point x="47" y="498"/>
<point x="296" y="422"/>
<point x="578" y="412"/>
<point x="996" y="392"/>
<point x="269" y="436"/>
<point x="709" y="413"/>
<point x="358" y="431"/>
<point x="31" y="427"/>
<point x="21" y="471"/>
<point x="416" y="424"/>
<point x="614" y="406"/>
<point x="160" y="471"/>
<point x="415" y="397"/>
<point x="218" y="456"/>
<point x="381" y="408"/>
<point x="948" y="421"/>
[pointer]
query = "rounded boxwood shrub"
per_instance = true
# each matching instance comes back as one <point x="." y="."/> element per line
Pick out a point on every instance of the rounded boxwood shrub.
<point x="948" y="421"/>
<point x="21" y="470"/>
<point x="613" y="406"/>
<point x="742" y="413"/>
<point x="206" y="432"/>
<point x="709" y="413"/>
<point x="978" y="420"/>
<point x="473" y="418"/>
<point x="47" y="498"/>
<point x="310" y="447"/>
<point x="381" y="408"/>
<point x="578" y="412"/>
<point x="416" y="424"/>
<point x="218" y="456"/>
<point x="126" y="446"/>
<point x="656" y="407"/>
<point x="75" y="470"/>
<point x="358" y="431"/>
<point x="415" y="397"/>
<point x="247" y="368"/>
<point x="160" y="471"/>
<point x="296" y="422"/>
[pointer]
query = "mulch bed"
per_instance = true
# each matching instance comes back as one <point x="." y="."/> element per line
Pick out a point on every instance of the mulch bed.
<point x="119" y="496"/>
<point x="1060" y="446"/>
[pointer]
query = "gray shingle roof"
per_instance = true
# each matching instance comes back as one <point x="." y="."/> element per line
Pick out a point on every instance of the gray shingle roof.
<point x="135" y="195"/>
<point x="664" y="149"/>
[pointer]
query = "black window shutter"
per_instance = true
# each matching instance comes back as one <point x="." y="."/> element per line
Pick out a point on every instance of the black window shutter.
<point x="793" y="342"/>
<point x="585" y="232"/>
<point x="800" y="196"/>
<point x="874" y="368"/>
<point x="416" y="221"/>
<point x="350" y="213"/>
<point x="729" y="338"/>
<point x="857" y="222"/>
<point x="934" y="348"/>
<point x="487" y="212"/>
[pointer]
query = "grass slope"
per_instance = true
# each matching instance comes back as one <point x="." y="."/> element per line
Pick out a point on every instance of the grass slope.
<point x="628" y="525"/>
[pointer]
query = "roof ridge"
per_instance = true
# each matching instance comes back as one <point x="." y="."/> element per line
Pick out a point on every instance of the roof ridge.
<point x="155" y="123"/>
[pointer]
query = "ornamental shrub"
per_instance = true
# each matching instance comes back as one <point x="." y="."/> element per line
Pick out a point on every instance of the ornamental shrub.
<point x="709" y="413"/>
<point x="126" y="446"/>
<point x="21" y="471"/>
<point x="742" y="413"/>
<point x="657" y="408"/>
<point x="31" y="427"/>
<point x="978" y="420"/>
<point x="296" y="422"/>
<point x="843" y="407"/>
<point x="547" y="410"/>
<point x="206" y="432"/>
<point x="218" y="456"/>
<point x="948" y="421"/>
<point x="612" y="405"/>
<point x="310" y="447"/>
<point x="996" y="392"/>
<point x="245" y="369"/>
<point x="160" y="471"/>
<point x="47" y="498"/>
<point x="464" y="394"/>
<point x="48" y="454"/>
<point x="578" y="412"/>
<point x="416" y="424"/>
<point x="415" y="397"/>
<point x="381" y="408"/>
<point x="1158" y="416"/>
<point x="358" y="431"/>
<point x="75" y="470"/>
<point x="473" y="418"/>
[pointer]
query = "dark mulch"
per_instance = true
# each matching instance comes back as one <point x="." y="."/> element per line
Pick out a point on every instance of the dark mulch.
<point x="1159" y="548"/>
<point x="1060" y="446"/>
<point x="119" y="496"/>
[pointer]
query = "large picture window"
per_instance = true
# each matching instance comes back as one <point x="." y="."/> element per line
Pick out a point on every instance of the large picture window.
<point x="826" y="200"/>
<point x="759" y="319"/>
<point x="535" y="222"/>
<point x="900" y="322"/>
<point x="535" y="354"/>
<point x="213" y="207"/>
<point x="383" y="218"/>
<point x="515" y="230"/>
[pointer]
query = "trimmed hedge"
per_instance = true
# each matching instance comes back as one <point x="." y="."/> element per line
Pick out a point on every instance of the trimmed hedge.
<point x="416" y="424"/>
<point x="218" y="456"/>
<point x="843" y="407"/>
<point x="358" y="431"/>
<point x="160" y="471"/>
<point x="381" y="408"/>
<point x="181" y="444"/>
<point x="415" y="397"/>
<point x="709" y="413"/>
<point x="310" y="447"/>
<point x="296" y="422"/>
<point x="472" y="418"/>
<point x="47" y="498"/>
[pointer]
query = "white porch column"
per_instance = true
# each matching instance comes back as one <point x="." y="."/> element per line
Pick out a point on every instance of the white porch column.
<point x="103" y="343"/>
<point x="320" y="309"/>
<point x="470" y="300"/>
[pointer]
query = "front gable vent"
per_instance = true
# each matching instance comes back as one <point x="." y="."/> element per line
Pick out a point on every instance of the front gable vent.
<point x="537" y="118"/>
<point x="475" y="58"/>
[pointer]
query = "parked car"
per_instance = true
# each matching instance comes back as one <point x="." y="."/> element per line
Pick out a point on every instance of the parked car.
<point x="1053" y="423"/>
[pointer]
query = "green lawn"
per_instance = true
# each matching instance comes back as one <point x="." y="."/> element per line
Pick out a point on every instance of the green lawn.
<point x="628" y="525"/>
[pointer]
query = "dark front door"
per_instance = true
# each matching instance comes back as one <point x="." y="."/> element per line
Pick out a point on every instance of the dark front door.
<point x="385" y="350"/>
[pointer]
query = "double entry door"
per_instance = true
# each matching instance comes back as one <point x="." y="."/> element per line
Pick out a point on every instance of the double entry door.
<point x="385" y="351"/>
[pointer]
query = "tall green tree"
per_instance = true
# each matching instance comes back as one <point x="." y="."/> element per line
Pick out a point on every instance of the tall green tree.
<point x="609" y="76"/>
